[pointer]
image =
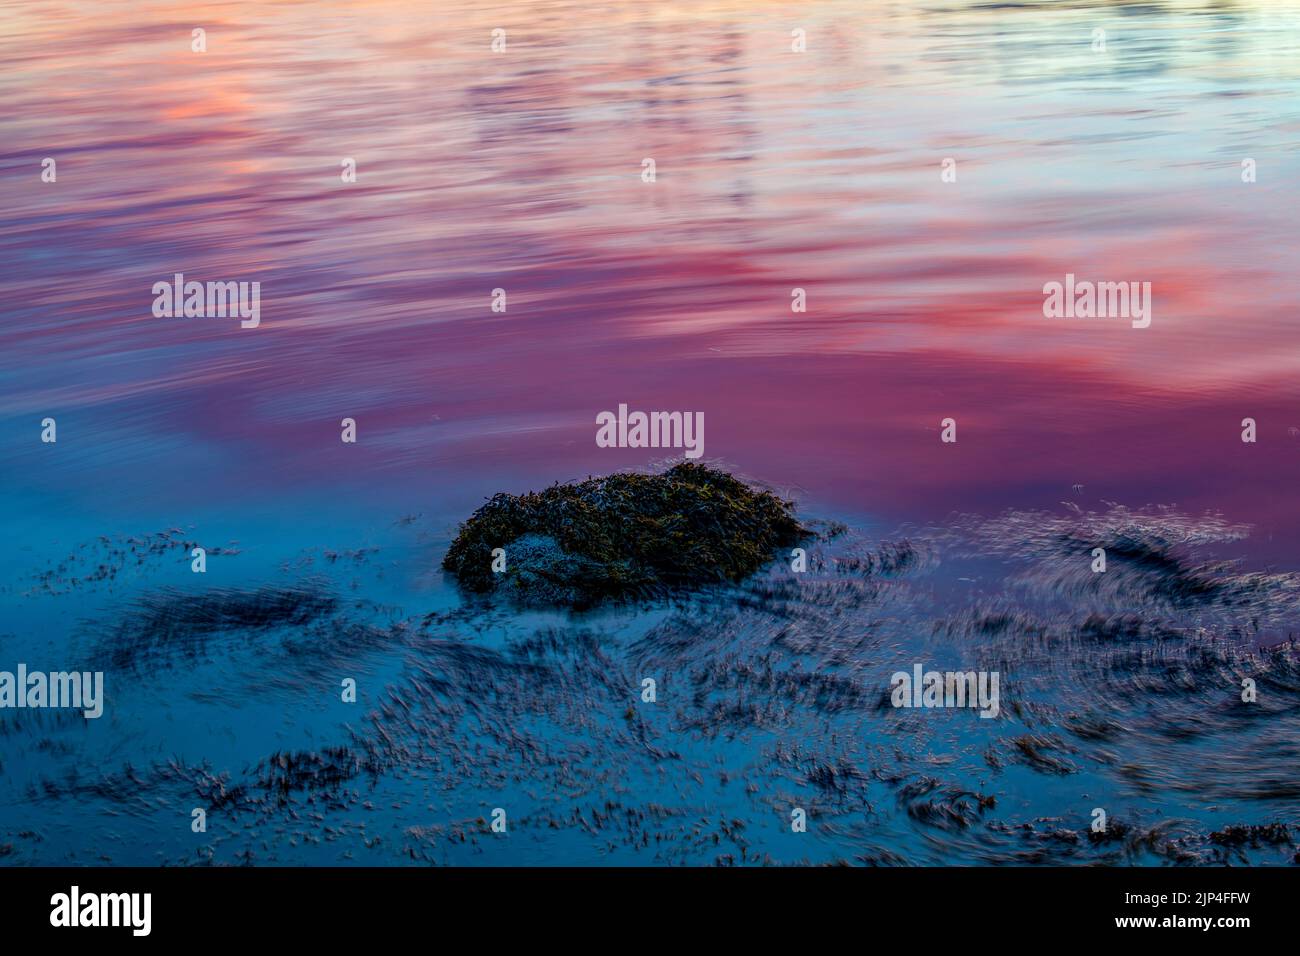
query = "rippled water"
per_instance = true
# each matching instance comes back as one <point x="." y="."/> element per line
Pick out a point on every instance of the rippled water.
<point x="775" y="170"/>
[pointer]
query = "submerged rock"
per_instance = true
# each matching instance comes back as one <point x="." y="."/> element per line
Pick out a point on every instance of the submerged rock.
<point x="625" y="535"/>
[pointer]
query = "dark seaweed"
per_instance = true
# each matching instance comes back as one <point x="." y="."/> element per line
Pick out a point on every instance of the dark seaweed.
<point x="624" y="535"/>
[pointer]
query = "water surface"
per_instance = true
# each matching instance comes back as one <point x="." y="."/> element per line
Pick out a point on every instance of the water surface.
<point x="522" y="170"/>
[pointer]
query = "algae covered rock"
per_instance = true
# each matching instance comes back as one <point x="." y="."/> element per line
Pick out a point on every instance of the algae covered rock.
<point x="624" y="535"/>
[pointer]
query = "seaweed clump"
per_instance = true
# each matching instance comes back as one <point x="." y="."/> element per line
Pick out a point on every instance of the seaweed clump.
<point x="622" y="536"/>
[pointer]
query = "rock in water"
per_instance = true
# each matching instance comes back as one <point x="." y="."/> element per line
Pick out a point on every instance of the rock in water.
<point x="622" y="536"/>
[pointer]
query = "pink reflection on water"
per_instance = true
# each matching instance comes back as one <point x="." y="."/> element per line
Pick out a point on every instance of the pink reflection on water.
<point x="775" y="171"/>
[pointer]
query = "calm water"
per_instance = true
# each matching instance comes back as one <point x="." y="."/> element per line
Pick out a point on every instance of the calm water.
<point x="522" y="171"/>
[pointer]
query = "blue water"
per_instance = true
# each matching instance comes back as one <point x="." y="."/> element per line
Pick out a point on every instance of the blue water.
<point x="1120" y="691"/>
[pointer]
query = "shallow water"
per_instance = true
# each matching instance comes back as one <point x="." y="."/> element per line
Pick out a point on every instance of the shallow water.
<point x="775" y="170"/>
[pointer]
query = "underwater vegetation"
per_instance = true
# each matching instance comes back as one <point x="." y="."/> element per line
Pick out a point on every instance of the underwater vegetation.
<point x="1120" y="691"/>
